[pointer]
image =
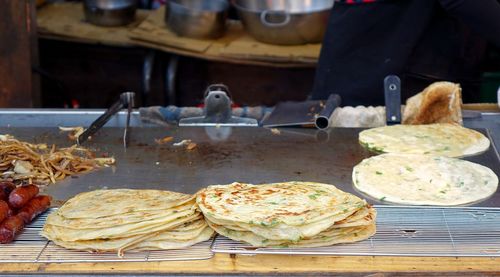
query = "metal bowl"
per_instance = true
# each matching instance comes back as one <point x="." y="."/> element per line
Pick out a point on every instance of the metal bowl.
<point x="110" y="12"/>
<point x="285" y="22"/>
<point x="205" y="19"/>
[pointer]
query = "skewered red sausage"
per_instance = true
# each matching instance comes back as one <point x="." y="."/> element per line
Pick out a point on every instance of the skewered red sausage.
<point x="4" y="210"/>
<point x="9" y="228"/>
<point x="35" y="206"/>
<point x="7" y="187"/>
<point x="22" y="195"/>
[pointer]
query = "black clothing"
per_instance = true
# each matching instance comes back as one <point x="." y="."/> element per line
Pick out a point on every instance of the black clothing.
<point x="422" y="41"/>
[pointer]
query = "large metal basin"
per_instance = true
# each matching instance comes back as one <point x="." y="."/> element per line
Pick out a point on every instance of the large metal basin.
<point x="110" y="12"/>
<point x="202" y="19"/>
<point x="285" y="22"/>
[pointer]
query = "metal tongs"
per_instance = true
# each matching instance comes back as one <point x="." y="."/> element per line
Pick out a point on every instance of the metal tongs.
<point x="126" y="101"/>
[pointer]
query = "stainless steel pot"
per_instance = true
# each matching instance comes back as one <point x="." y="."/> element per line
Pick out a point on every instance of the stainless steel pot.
<point x="285" y="22"/>
<point x="110" y="12"/>
<point x="205" y="19"/>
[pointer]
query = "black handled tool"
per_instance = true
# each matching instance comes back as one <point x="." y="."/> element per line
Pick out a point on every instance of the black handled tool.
<point x="126" y="101"/>
<point x="392" y="94"/>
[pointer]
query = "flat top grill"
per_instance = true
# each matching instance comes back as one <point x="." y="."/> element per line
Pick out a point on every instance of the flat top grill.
<point x="253" y="155"/>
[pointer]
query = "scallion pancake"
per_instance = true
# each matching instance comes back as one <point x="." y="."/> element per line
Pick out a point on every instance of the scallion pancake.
<point x="146" y="227"/>
<point x="335" y="236"/>
<point x="57" y="219"/>
<point x="363" y="216"/>
<point x="101" y="245"/>
<point x="104" y="203"/>
<point x="439" y="139"/>
<point x="417" y="179"/>
<point x="160" y="240"/>
<point x="286" y="211"/>
<point x="126" y="219"/>
<point x="165" y="244"/>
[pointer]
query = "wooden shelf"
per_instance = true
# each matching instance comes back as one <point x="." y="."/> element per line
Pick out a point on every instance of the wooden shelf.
<point x="65" y="21"/>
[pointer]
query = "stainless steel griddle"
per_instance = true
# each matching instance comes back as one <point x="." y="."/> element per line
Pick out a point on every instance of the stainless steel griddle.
<point x="223" y="155"/>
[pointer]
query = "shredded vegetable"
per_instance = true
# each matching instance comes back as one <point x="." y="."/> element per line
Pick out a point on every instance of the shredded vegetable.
<point x="23" y="162"/>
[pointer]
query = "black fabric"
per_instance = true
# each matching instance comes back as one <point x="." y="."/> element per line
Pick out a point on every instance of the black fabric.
<point x="422" y="41"/>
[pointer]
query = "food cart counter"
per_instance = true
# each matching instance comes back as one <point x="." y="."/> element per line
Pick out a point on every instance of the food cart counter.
<point x="224" y="155"/>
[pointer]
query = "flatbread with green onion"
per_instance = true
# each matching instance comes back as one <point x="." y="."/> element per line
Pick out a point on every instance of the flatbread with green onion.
<point x="286" y="211"/>
<point x="441" y="139"/>
<point x="417" y="179"/>
<point x="288" y="214"/>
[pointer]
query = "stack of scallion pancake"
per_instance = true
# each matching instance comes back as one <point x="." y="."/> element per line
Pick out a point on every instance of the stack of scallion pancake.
<point x="125" y="219"/>
<point x="292" y="214"/>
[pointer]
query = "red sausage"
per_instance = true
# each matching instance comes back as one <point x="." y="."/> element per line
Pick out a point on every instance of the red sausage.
<point x="36" y="206"/>
<point x="22" y="195"/>
<point x="10" y="228"/>
<point x="7" y="187"/>
<point x="11" y="212"/>
<point x="3" y="196"/>
<point x="4" y="210"/>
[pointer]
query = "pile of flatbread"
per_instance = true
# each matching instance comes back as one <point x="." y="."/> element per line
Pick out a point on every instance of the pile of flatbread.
<point x="120" y="220"/>
<point x="421" y="165"/>
<point x="292" y="214"/>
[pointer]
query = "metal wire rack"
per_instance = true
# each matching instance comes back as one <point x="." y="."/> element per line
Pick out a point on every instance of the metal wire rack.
<point x="30" y="247"/>
<point x="407" y="231"/>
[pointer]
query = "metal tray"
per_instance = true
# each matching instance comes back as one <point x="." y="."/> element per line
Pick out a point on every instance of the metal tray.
<point x="407" y="231"/>
<point x="30" y="247"/>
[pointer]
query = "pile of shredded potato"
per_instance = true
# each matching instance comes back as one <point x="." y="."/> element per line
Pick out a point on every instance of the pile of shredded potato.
<point x="23" y="162"/>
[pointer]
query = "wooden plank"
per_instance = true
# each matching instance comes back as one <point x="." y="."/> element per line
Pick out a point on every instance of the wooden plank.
<point x="220" y="58"/>
<point x="236" y="44"/>
<point x="18" y="52"/>
<point x="154" y="30"/>
<point x="483" y="107"/>
<point x="67" y="20"/>
<point x="273" y="264"/>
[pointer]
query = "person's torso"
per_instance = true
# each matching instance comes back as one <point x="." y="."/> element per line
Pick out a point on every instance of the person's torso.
<point x="411" y="38"/>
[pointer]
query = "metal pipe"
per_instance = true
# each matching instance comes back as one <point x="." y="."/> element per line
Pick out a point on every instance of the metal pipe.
<point x="323" y="119"/>
<point x="170" y="79"/>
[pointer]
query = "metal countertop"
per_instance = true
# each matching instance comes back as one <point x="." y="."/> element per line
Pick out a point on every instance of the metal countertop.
<point x="254" y="155"/>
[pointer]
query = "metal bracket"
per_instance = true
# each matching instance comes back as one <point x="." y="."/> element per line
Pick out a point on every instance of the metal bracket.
<point x="171" y="80"/>
<point x="217" y="111"/>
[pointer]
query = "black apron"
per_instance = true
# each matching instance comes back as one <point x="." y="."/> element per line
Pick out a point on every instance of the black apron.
<point x="415" y="39"/>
